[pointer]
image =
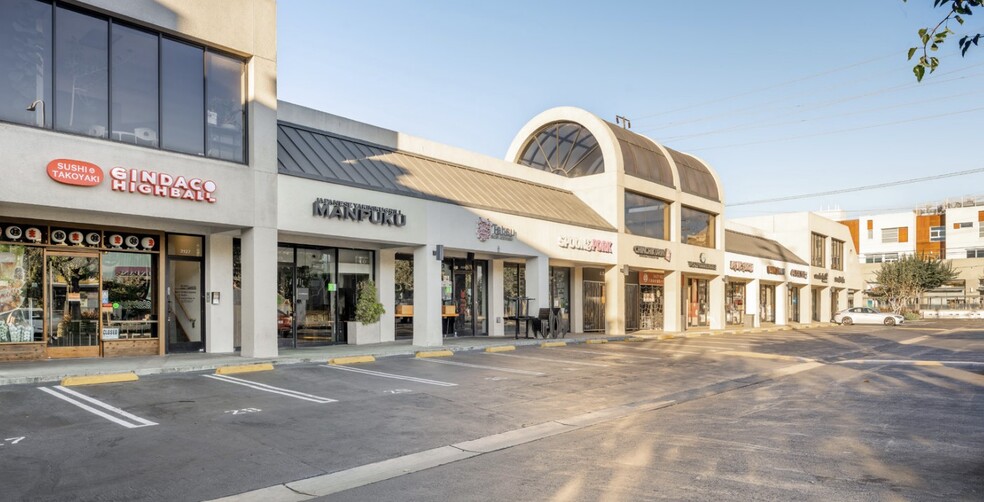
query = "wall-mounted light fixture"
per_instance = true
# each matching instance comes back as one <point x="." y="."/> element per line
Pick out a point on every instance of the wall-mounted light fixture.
<point x="34" y="106"/>
<point x="439" y="252"/>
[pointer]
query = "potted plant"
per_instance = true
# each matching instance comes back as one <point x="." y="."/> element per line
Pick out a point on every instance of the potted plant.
<point x="368" y="311"/>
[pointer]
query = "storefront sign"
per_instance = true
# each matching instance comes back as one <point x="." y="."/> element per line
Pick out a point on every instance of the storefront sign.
<point x="742" y="266"/>
<point x="75" y="172"/>
<point x="776" y="270"/>
<point x="487" y="230"/>
<point x="594" y="245"/>
<point x="652" y="252"/>
<point x="159" y="184"/>
<point x="341" y="210"/>
<point x="839" y="279"/>
<point x="650" y="278"/>
<point x="702" y="264"/>
<point x="798" y="273"/>
<point x="822" y="277"/>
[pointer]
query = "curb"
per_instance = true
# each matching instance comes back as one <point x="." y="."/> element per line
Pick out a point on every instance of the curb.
<point x="351" y="360"/>
<point x="500" y="348"/>
<point x="596" y="340"/>
<point x="434" y="353"/>
<point x="97" y="379"/>
<point x="553" y="344"/>
<point x="243" y="368"/>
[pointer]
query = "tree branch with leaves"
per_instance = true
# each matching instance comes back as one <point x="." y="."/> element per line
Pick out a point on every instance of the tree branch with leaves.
<point x="932" y="38"/>
<point x="903" y="282"/>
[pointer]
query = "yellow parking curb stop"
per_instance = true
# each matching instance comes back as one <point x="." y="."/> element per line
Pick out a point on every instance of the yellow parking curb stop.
<point x="500" y="348"/>
<point x="553" y="344"/>
<point x="243" y="368"/>
<point x="435" y="353"/>
<point x="351" y="360"/>
<point x="96" y="379"/>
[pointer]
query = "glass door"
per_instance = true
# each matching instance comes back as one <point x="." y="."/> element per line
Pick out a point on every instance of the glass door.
<point x="185" y="306"/>
<point x="72" y="305"/>
<point x="315" y="297"/>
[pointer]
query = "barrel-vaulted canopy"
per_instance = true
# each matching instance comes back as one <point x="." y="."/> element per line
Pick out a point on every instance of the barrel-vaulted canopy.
<point x="571" y="142"/>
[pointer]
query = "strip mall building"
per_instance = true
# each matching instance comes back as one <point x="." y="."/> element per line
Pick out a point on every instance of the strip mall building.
<point x="159" y="199"/>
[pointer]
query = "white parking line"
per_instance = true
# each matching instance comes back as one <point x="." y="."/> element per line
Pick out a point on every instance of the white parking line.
<point x="913" y="340"/>
<point x="59" y="392"/>
<point x="390" y="375"/>
<point x="479" y="366"/>
<point x="275" y="390"/>
<point x="616" y="353"/>
<point x="559" y="361"/>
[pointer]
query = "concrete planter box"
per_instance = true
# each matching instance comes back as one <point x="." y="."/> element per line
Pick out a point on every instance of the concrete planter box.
<point x="361" y="334"/>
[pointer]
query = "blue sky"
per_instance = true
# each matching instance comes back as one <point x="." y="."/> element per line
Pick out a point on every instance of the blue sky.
<point x="780" y="98"/>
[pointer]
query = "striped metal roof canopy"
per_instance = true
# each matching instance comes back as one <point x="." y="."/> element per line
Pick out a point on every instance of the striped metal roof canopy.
<point x="325" y="157"/>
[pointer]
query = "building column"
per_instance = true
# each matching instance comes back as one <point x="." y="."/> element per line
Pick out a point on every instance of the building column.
<point x="825" y="314"/>
<point x="806" y="304"/>
<point x="753" y="302"/>
<point x="782" y="296"/>
<point x="715" y="289"/>
<point x="497" y="302"/>
<point x="538" y="283"/>
<point x="576" y="315"/>
<point x="427" y="328"/>
<point x="259" y="299"/>
<point x="614" y="301"/>
<point x="673" y="301"/>
<point x="386" y="282"/>
<point x="220" y="323"/>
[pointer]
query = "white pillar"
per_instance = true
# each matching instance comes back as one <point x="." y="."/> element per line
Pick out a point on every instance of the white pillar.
<point x="614" y="301"/>
<point x="538" y="283"/>
<point x="259" y="308"/>
<point x="427" y="328"/>
<point x="220" y="321"/>
<point x="576" y="315"/>
<point x="715" y="289"/>
<point x="386" y="282"/>
<point x="782" y="296"/>
<point x="806" y="304"/>
<point x="753" y="301"/>
<point x="497" y="302"/>
<point x="825" y="304"/>
<point x="673" y="301"/>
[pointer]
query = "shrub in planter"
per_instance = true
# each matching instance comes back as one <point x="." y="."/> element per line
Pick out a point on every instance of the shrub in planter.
<point x="368" y="310"/>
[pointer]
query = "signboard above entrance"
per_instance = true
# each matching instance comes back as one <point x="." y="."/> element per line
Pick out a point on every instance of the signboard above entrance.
<point x="663" y="253"/>
<point x="650" y="278"/>
<point x="341" y="210"/>
<point x="595" y="245"/>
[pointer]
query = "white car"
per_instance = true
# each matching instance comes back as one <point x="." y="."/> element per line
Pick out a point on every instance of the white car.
<point x="864" y="315"/>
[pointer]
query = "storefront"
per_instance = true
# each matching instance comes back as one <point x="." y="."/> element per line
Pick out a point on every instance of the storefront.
<point x="593" y="302"/>
<point x="793" y="303"/>
<point x="698" y="302"/>
<point x="734" y="302"/>
<point x="767" y="303"/>
<point x="77" y="291"/>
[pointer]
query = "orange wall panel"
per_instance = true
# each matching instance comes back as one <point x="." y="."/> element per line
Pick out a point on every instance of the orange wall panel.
<point x="923" y="245"/>
<point x="853" y="225"/>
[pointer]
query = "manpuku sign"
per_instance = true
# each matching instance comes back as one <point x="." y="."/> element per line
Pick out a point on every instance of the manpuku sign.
<point x="487" y="230"/>
<point x="741" y="266"/>
<point x="773" y="270"/>
<point x="159" y="184"/>
<point x="702" y="264"/>
<point x="798" y="273"/>
<point x="663" y="253"/>
<point x="593" y="245"/>
<point x="341" y="210"/>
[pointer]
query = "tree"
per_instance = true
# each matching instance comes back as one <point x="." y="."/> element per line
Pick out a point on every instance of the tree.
<point x="903" y="281"/>
<point x="368" y="310"/>
<point x="932" y="38"/>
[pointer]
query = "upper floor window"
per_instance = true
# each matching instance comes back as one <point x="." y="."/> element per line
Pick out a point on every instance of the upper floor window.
<point x="818" y="255"/>
<point x="563" y="148"/>
<point x="646" y="216"/>
<point x="975" y="253"/>
<point x="696" y="227"/>
<point x="836" y="254"/>
<point x="897" y="234"/>
<point x="881" y="258"/>
<point x="965" y="224"/>
<point x="100" y="77"/>
<point x="937" y="234"/>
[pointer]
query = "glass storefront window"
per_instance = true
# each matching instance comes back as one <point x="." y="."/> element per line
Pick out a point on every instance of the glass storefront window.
<point x="225" y="114"/>
<point x="593" y="283"/>
<point x="696" y="227"/>
<point x="21" y="294"/>
<point x="792" y="304"/>
<point x="646" y="216"/>
<point x="560" y="288"/>
<point x="285" y="296"/>
<point x="513" y="286"/>
<point x="182" y="98"/>
<point x="314" y="306"/>
<point x="734" y="303"/>
<point x="128" y="286"/>
<point x="697" y="302"/>
<point x="767" y="303"/>
<point x="25" y="56"/>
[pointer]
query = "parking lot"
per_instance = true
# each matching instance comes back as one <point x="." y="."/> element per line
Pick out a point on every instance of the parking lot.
<point x="832" y="396"/>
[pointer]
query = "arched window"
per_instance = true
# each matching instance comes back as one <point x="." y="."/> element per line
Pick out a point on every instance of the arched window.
<point x="563" y="148"/>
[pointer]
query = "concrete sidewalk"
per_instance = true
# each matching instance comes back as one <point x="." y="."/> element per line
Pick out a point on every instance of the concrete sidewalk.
<point x="54" y="370"/>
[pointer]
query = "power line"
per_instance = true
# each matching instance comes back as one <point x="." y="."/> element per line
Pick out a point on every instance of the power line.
<point x="861" y="188"/>
<point x="836" y="131"/>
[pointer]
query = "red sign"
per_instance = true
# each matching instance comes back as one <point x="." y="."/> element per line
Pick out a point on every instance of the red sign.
<point x="649" y="278"/>
<point x="75" y="172"/>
